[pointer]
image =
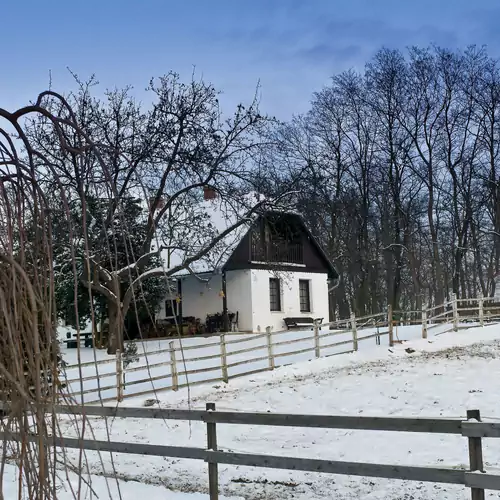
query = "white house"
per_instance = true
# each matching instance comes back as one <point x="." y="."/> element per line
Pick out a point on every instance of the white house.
<point x="269" y="270"/>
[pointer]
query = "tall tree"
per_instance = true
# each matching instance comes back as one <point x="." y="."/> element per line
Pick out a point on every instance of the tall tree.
<point x="166" y="155"/>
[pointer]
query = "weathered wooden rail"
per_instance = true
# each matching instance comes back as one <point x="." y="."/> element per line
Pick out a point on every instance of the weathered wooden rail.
<point x="475" y="477"/>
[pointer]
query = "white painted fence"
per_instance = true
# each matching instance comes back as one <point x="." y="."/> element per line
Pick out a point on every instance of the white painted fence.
<point x="176" y="363"/>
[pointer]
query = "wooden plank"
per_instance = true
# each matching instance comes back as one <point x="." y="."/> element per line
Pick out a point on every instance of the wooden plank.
<point x="246" y="361"/>
<point x="425" y="425"/>
<point x="482" y="481"/>
<point x="317" y="348"/>
<point x="124" y="412"/>
<point x="354" y="332"/>
<point x="249" y="339"/>
<point x="251" y="372"/>
<point x="248" y="349"/>
<point x="292" y="353"/>
<point x="293" y="341"/>
<point x="429" y="425"/>
<point x="402" y="472"/>
<point x="181" y="386"/>
<point x="445" y="313"/>
<point x="92" y="377"/>
<point x="475" y="455"/>
<point x="119" y="376"/>
<point x="173" y="367"/>
<point x="333" y="333"/>
<point x="149" y="379"/>
<point x="336" y="325"/>
<point x="223" y="359"/>
<point x="90" y="363"/>
<point x="114" y="446"/>
<point x="432" y="326"/>
<point x="370" y="316"/>
<point x="102" y="400"/>
<point x="200" y="358"/>
<point x="213" y="470"/>
<point x="372" y="336"/>
<point x="270" y="351"/>
<point x="95" y="389"/>
<point x="338" y="353"/>
<point x="147" y="367"/>
<point x="199" y="370"/>
<point x="335" y="344"/>
<point x="391" y="325"/>
<point x="424" y="322"/>
<point x="481" y="429"/>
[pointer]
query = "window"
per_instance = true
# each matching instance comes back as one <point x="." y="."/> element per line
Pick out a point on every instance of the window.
<point x="274" y="294"/>
<point x="305" y="297"/>
<point x="170" y="307"/>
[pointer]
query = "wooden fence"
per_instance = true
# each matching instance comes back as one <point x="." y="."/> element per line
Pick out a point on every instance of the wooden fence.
<point x="233" y="355"/>
<point x="475" y="477"/>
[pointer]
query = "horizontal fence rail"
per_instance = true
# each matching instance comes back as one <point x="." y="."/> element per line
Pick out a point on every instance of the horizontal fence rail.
<point x="233" y="355"/>
<point x="473" y="429"/>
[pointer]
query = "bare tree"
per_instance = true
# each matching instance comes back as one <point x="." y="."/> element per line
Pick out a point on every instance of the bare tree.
<point x="401" y="170"/>
<point x="164" y="155"/>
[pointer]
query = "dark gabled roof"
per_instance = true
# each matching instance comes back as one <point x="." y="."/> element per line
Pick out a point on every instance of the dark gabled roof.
<point x="332" y="272"/>
<point x="217" y="261"/>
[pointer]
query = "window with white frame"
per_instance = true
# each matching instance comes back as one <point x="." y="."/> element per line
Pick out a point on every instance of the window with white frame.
<point x="305" y="296"/>
<point x="274" y="294"/>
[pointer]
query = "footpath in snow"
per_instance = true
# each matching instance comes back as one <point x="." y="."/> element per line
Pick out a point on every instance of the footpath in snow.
<point x="440" y="377"/>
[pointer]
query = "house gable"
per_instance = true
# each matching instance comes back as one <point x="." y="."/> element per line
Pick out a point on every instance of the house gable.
<point x="280" y="241"/>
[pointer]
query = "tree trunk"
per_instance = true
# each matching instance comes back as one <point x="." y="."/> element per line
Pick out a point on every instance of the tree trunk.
<point x="116" y="327"/>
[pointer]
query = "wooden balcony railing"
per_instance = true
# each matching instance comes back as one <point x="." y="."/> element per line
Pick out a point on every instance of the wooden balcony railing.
<point x="278" y="252"/>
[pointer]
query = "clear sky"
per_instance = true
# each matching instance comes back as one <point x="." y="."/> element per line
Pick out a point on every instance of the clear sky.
<point x="291" y="46"/>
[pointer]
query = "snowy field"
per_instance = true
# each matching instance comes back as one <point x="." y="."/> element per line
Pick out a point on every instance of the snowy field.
<point x="201" y="358"/>
<point x="445" y="376"/>
<point x="98" y="487"/>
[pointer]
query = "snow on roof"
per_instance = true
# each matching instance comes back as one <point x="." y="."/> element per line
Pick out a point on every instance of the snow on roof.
<point x="213" y="218"/>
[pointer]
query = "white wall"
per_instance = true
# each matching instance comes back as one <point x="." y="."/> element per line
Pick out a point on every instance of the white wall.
<point x="262" y="316"/>
<point x="239" y="297"/>
<point x="200" y="299"/>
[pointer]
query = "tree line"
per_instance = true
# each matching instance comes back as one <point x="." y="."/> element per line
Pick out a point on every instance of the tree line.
<point x="396" y="169"/>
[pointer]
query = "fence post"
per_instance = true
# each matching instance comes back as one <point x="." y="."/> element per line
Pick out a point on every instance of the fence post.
<point x="424" y="321"/>
<point x="475" y="455"/>
<point x="455" y="312"/>
<point x="390" y="325"/>
<point x="223" y="358"/>
<point x="481" y="310"/>
<point x="354" y="332"/>
<point x="270" y="354"/>
<point x="119" y="375"/>
<point x="213" y="473"/>
<point x="173" y="367"/>
<point x="316" y="339"/>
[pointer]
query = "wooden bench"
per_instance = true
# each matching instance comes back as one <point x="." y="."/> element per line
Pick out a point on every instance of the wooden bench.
<point x="87" y="337"/>
<point x="301" y="322"/>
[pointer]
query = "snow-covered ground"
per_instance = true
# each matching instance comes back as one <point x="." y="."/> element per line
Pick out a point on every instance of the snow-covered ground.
<point x="97" y="487"/>
<point x="445" y="376"/>
<point x="207" y="351"/>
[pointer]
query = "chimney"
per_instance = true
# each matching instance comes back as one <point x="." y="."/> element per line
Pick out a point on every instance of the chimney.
<point x="209" y="193"/>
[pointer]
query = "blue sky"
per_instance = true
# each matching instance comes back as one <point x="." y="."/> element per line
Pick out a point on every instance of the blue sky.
<point x="291" y="46"/>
